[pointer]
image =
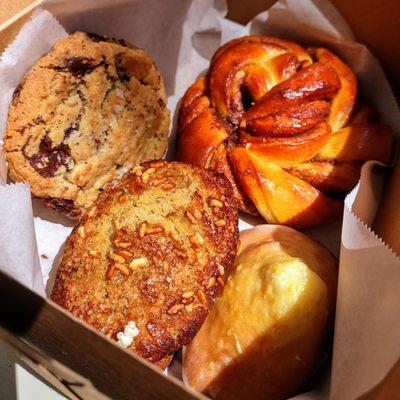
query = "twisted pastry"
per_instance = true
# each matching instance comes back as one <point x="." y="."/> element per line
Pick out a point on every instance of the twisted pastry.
<point x="279" y="122"/>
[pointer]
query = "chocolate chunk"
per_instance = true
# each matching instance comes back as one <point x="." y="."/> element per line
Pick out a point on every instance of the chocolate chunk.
<point x="100" y="38"/>
<point x="77" y="66"/>
<point x="97" y="143"/>
<point x="63" y="206"/>
<point x="74" y="126"/>
<point x="122" y="73"/>
<point x="97" y="38"/>
<point x="124" y="77"/>
<point x="17" y="92"/>
<point x="49" y="159"/>
<point x="69" y="130"/>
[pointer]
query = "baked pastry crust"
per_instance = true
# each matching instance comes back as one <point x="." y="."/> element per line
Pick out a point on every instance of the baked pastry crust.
<point x="266" y="333"/>
<point x="156" y="249"/>
<point x="86" y="112"/>
<point x="282" y="123"/>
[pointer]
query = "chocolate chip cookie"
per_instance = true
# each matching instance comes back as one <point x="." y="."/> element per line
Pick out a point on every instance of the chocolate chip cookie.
<point x="146" y="263"/>
<point x="88" y="110"/>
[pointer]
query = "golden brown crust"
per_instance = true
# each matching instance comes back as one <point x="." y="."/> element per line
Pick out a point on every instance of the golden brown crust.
<point x="265" y="335"/>
<point x="272" y="99"/>
<point x="156" y="249"/>
<point x="87" y="111"/>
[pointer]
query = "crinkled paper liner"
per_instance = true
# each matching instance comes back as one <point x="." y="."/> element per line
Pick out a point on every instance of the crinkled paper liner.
<point x="367" y="325"/>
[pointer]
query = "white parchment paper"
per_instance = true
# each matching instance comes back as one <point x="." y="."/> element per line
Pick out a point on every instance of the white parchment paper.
<point x="16" y="229"/>
<point x="181" y="36"/>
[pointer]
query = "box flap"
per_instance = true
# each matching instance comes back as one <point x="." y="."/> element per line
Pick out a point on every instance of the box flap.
<point x="374" y="23"/>
<point x="50" y="336"/>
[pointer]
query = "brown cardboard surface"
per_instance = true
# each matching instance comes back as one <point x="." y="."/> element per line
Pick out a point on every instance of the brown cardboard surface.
<point x="387" y="223"/>
<point x="9" y="8"/>
<point x="369" y="19"/>
<point x="9" y="33"/>
<point x="53" y="334"/>
<point x="13" y="14"/>
<point x="389" y="389"/>
<point x="119" y="374"/>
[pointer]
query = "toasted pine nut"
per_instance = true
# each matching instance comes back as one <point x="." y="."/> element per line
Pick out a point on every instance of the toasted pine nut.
<point x="142" y="230"/>
<point x="175" y="308"/>
<point x="125" y="254"/>
<point x="211" y="282"/>
<point x="122" y="267"/>
<point x="110" y="272"/>
<point x="188" y="294"/>
<point x="116" y="257"/>
<point x="202" y="297"/>
<point x="138" y="263"/>
<point x="216" y="203"/>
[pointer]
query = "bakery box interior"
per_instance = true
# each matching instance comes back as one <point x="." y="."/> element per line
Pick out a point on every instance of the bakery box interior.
<point x="77" y="360"/>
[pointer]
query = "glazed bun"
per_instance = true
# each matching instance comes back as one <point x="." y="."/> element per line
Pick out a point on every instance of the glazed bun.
<point x="150" y="258"/>
<point x="265" y="335"/>
<point x="286" y="126"/>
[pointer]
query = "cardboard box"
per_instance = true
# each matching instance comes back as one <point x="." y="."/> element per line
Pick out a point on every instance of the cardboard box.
<point x="84" y="364"/>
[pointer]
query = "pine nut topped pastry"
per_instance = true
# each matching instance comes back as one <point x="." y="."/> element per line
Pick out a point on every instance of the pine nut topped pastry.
<point x="146" y="263"/>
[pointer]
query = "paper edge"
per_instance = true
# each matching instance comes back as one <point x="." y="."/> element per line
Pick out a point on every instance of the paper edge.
<point x="36" y="10"/>
<point x="348" y="208"/>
